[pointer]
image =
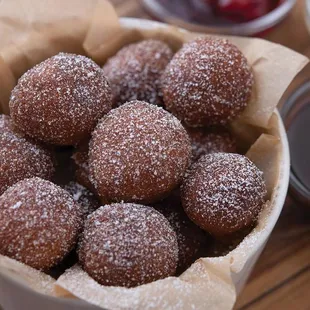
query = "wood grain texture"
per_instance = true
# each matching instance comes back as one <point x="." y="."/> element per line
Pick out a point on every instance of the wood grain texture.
<point x="281" y="278"/>
<point x="285" y="259"/>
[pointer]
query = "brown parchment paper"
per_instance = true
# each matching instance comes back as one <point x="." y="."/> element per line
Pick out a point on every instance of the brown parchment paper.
<point x="39" y="29"/>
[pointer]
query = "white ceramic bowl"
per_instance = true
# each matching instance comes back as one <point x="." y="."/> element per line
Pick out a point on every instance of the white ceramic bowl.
<point x="16" y="296"/>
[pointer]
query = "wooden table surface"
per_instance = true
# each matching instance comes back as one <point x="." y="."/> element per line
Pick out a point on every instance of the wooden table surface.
<point x="281" y="278"/>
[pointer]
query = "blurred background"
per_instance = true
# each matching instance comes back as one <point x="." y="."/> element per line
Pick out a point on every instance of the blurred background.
<point x="281" y="279"/>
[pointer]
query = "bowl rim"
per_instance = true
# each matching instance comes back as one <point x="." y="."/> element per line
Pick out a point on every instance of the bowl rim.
<point x="300" y="191"/>
<point x="250" y="28"/>
<point x="280" y="191"/>
<point x="307" y="14"/>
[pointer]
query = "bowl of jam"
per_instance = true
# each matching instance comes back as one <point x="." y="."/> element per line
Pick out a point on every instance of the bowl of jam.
<point x="296" y="116"/>
<point x="232" y="17"/>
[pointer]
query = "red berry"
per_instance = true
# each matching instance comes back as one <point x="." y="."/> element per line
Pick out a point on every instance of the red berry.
<point x="245" y="10"/>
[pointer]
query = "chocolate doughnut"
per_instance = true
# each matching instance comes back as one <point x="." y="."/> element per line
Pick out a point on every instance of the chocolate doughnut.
<point x="223" y="193"/>
<point x="127" y="245"/>
<point x="60" y="100"/>
<point x="208" y="82"/>
<point x="21" y="158"/>
<point x="138" y="153"/>
<point x="39" y="223"/>
<point x="134" y="72"/>
<point x="206" y="141"/>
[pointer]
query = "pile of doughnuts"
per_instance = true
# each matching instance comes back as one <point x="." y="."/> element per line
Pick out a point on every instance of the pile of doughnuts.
<point x="156" y="168"/>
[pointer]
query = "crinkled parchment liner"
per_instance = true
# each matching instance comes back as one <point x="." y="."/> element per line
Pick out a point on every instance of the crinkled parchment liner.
<point x="42" y="28"/>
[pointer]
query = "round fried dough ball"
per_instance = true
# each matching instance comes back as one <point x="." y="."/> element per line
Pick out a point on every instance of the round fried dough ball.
<point x="60" y="100"/>
<point x="206" y="141"/>
<point x="21" y="158"/>
<point x="138" y="153"/>
<point x="208" y="82"/>
<point x="223" y="193"/>
<point x="127" y="245"/>
<point x="39" y="223"/>
<point x="134" y="72"/>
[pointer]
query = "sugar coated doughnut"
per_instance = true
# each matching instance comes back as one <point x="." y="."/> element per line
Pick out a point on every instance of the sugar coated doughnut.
<point x="138" y="153"/>
<point x="206" y="141"/>
<point x="21" y="158"/>
<point x="39" y="223"/>
<point x="60" y="100"/>
<point x="208" y="82"/>
<point x="127" y="245"/>
<point x="223" y="193"/>
<point x="134" y="72"/>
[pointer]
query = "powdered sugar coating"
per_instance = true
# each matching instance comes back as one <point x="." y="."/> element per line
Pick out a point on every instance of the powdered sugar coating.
<point x="134" y="72"/>
<point x="205" y="141"/>
<point x="208" y="82"/>
<point x="223" y="193"/>
<point x="60" y="100"/>
<point x="128" y="245"/>
<point x="39" y="223"/>
<point x="83" y="197"/>
<point x="138" y="152"/>
<point x="21" y="158"/>
<point x="5" y="123"/>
